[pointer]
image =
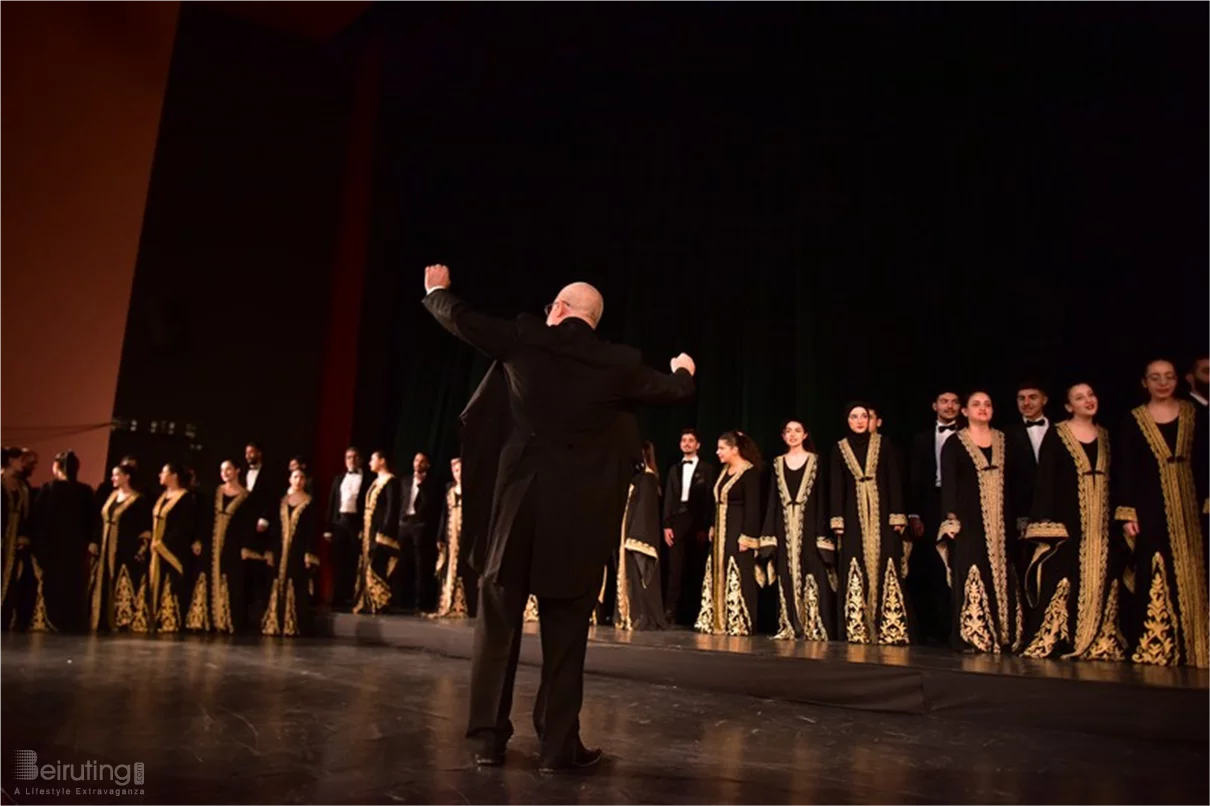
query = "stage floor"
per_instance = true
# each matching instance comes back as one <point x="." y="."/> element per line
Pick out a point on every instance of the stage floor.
<point x="1112" y="699"/>
<point x="321" y="721"/>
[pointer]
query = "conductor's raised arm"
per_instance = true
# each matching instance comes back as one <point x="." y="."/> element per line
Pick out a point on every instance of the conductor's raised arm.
<point x="488" y="334"/>
<point x="649" y="386"/>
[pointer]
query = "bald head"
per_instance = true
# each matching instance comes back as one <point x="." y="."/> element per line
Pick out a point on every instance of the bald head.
<point x="580" y="301"/>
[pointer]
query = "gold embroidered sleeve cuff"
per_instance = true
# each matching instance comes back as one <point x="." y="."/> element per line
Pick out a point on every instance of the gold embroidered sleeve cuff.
<point x="950" y="527"/>
<point x="311" y="560"/>
<point x="167" y="556"/>
<point x="898" y="520"/>
<point x="389" y="542"/>
<point x="1126" y="514"/>
<point x="825" y="543"/>
<point x="249" y="554"/>
<point x="145" y="536"/>
<point x="1045" y="529"/>
<point x="768" y="542"/>
<point x="746" y="543"/>
<point x="640" y="547"/>
<point x="836" y="523"/>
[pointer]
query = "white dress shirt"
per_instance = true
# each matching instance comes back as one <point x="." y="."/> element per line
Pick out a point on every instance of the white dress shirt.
<point x="412" y="499"/>
<point x="688" y="468"/>
<point x="253" y="475"/>
<point x="1036" y="433"/>
<point x="350" y="489"/>
<point x="1194" y="394"/>
<point x="939" y="438"/>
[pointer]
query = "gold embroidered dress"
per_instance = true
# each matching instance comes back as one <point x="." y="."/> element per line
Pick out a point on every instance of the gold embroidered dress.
<point x="1156" y="465"/>
<point x="16" y="522"/>
<point x="118" y="576"/>
<point x="867" y="503"/>
<point x="796" y="529"/>
<point x="294" y="559"/>
<point x="983" y="583"/>
<point x="219" y="601"/>
<point x="1072" y="583"/>
<point x="452" y="602"/>
<point x="729" y="590"/>
<point x="379" y="545"/>
<point x="160" y="601"/>
<point x="639" y="603"/>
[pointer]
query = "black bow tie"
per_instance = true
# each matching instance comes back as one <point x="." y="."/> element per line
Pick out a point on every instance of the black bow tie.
<point x="941" y="429"/>
<point x="1035" y="423"/>
<point x="688" y="461"/>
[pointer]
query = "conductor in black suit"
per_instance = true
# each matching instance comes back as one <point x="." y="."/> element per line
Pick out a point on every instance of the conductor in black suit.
<point x="567" y="440"/>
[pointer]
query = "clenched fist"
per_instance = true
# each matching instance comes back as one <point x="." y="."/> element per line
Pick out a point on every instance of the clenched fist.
<point x="436" y="277"/>
<point x="684" y="362"/>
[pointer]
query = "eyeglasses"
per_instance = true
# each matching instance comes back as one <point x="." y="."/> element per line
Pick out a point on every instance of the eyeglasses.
<point x="551" y="306"/>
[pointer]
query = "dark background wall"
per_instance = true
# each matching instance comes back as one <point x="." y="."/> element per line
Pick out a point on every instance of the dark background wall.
<point x="816" y="201"/>
<point x="228" y="312"/>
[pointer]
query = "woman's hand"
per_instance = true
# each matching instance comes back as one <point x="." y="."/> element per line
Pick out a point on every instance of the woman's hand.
<point x="1130" y="529"/>
<point x="94" y="550"/>
<point x="197" y="548"/>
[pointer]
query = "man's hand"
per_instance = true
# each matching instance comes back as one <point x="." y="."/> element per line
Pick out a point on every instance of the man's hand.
<point x="668" y="538"/>
<point x="328" y="536"/>
<point x="684" y="362"/>
<point x="436" y="277"/>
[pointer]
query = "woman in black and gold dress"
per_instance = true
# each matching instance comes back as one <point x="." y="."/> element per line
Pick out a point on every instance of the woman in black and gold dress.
<point x="119" y="555"/>
<point x="868" y="520"/>
<point x="1071" y="583"/>
<point x="805" y="551"/>
<point x="293" y="559"/>
<point x="1158" y="458"/>
<point x="379" y="539"/>
<point x="158" y="605"/>
<point x="729" y="590"/>
<point x="456" y="597"/>
<point x="639" y="603"/>
<point x="983" y="584"/>
<point x="229" y="523"/>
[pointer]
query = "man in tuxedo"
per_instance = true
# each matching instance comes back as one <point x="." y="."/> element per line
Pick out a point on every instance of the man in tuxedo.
<point x="559" y="491"/>
<point x="926" y="571"/>
<point x="346" y="506"/>
<point x="1023" y="437"/>
<point x="1198" y="378"/>
<point x="415" y="517"/>
<point x="262" y="500"/>
<point x="688" y="511"/>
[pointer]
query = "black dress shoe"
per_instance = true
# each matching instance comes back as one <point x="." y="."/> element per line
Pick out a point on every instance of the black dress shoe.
<point x="584" y="758"/>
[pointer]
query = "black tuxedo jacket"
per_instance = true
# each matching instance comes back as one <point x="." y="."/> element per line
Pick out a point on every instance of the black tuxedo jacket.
<point x="426" y="498"/>
<point x="1021" y="472"/>
<point x="923" y="493"/>
<point x="701" y="494"/>
<point x="367" y="478"/>
<point x="559" y="406"/>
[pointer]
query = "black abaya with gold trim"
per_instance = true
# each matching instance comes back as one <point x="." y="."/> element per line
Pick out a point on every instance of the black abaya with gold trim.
<point x="986" y="594"/>
<point x="293" y="545"/>
<point x="120" y="567"/>
<point x="805" y="552"/>
<point x="158" y="601"/>
<point x="379" y="545"/>
<point x="867" y="503"/>
<point x="16" y="510"/>
<point x="452" y="601"/>
<point x="1156" y="466"/>
<point x="639" y="603"/>
<point x="1072" y="582"/>
<point x="729" y="590"/>
<point x="63" y="517"/>
<point x="219" y="601"/>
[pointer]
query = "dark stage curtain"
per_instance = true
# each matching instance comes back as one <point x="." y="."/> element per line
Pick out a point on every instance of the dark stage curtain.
<point x="816" y="202"/>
